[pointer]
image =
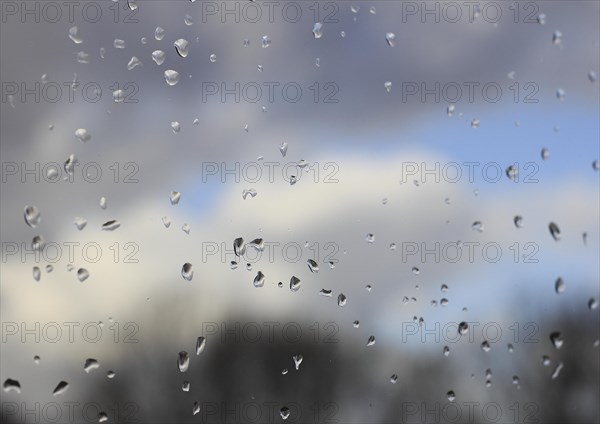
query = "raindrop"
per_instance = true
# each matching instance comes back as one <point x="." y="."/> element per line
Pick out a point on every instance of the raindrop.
<point x="70" y="163"/>
<point x="294" y="283"/>
<point x="90" y="365"/>
<point x="239" y="247"/>
<point x="259" y="280"/>
<point x="444" y="288"/>
<point x="200" y="345"/>
<point x="213" y="58"/>
<point x="183" y="361"/>
<point x="325" y="292"/>
<point x="182" y="48"/>
<point x="368" y="287"/>
<point x="32" y="216"/>
<point x="485" y="346"/>
<point x="463" y="328"/>
<point x="557" y="37"/>
<point x="451" y="396"/>
<point x="159" y="33"/>
<point x="185" y="386"/>
<point x="518" y="220"/>
<point x="415" y="270"/>
<point x="82" y="274"/>
<point x="450" y="110"/>
<point x="512" y="172"/>
<point x="166" y="221"/>
<point x="36" y="359"/>
<point x="592" y="304"/>
<point x="102" y="51"/>
<point x="477" y="226"/>
<point x="592" y="76"/>
<point x="196" y="408"/>
<point x="102" y="417"/>
<point x="342" y="300"/>
<point x="175" y="126"/>
<point x="556" y="339"/>
<point x="60" y="388"/>
<point x="546" y="360"/>
<point x="171" y="77"/>
<point x="118" y="96"/>
<point x="559" y="286"/>
<point x="557" y="370"/>
<point x="119" y="44"/>
<point x="560" y="94"/>
<point x="446" y="351"/>
<point x="11" y="386"/>
<point x="388" y="86"/>
<point x="371" y="341"/>
<point x="103" y="202"/>
<point x="444" y="302"/>
<point x="313" y="266"/>
<point x="545" y="154"/>
<point x="475" y="123"/>
<point x="37" y="274"/>
<point x="284" y="413"/>
<point x="110" y="374"/>
<point x="246" y="42"/>
<point x="187" y="271"/>
<point x="74" y="35"/>
<point x="318" y="30"/>
<point x="541" y="19"/>
<point x="392" y="246"/>
<point x="596" y="165"/>
<point x="393" y="379"/>
<point x="186" y="228"/>
<point x="111" y="225"/>
<point x="390" y="37"/>
<point x="252" y="192"/>
<point x="265" y="41"/>
<point x="258" y="244"/>
<point x="233" y="265"/>
<point x="188" y="20"/>
<point x="133" y="62"/>
<point x="158" y="56"/>
<point x="370" y="238"/>
<point x="372" y="10"/>
<point x="174" y="197"/>
<point x="554" y="231"/>
<point x="356" y="324"/>
<point x="283" y="148"/>
<point x="297" y="361"/>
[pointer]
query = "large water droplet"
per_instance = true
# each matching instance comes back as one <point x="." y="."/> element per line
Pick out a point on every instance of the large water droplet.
<point x="259" y="280"/>
<point x="158" y="56"/>
<point x="183" y="361"/>
<point x="60" y="388"/>
<point x="554" y="231"/>
<point x="171" y="77"/>
<point x="313" y="266"/>
<point x="188" y="20"/>
<point x="82" y="274"/>
<point x="182" y="47"/>
<point x="32" y="216"/>
<point x="187" y="271"/>
<point x="90" y="365"/>
<point x="239" y="246"/>
<point x="11" y="385"/>
<point x="82" y="135"/>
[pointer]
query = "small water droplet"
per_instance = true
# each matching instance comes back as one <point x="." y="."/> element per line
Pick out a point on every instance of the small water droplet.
<point x="318" y="30"/>
<point x="158" y="56"/>
<point x="475" y="123"/>
<point x="557" y="339"/>
<point x="342" y="300"/>
<point x="133" y="63"/>
<point x="283" y="148"/>
<point x="370" y="238"/>
<point x="37" y="274"/>
<point x="36" y="360"/>
<point x="183" y="361"/>
<point x="313" y="266"/>
<point x="259" y="280"/>
<point x="159" y="33"/>
<point x="557" y="37"/>
<point x="103" y="202"/>
<point x="557" y="370"/>
<point x="451" y="396"/>
<point x="394" y="379"/>
<point x="119" y="44"/>
<point x="171" y="77"/>
<point x="295" y="283"/>
<point x="485" y="346"/>
<point x="252" y="192"/>
<point x="388" y="86"/>
<point x="372" y="10"/>
<point x="596" y="165"/>
<point x="554" y="231"/>
<point x="446" y="351"/>
<point x="166" y="221"/>
<point x="356" y="324"/>
<point x="82" y="274"/>
<point x="187" y="271"/>
<point x="297" y="361"/>
<point x="463" y="328"/>
<point x="450" y="110"/>
<point x="371" y="341"/>
<point x="11" y="385"/>
<point x="559" y="286"/>
<point x="265" y="41"/>
<point x="592" y="304"/>
<point x="60" y="388"/>
<point x="325" y="292"/>
<point x="175" y="127"/>
<point x="390" y="37"/>
<point x="196" y="408"/>
<point x="284" y="413"/>
<point x="111" y="225"/>
<point x="188" y="20"/>
<point x="246" y="42"/>
<point x="174" y="197"/>
<point x="477" y="226"/>
<point x="110" y="374"/>
<point x="200" y="345"/>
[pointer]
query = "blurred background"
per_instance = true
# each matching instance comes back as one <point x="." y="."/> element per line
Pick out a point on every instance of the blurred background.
<point x="373" y="138"/>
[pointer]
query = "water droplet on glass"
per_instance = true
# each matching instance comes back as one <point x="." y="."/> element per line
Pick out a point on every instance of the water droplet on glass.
<point x="60" y="388"/>
<point x="36" y="359"/>
<point x="187" y="271"/>
<point x="171" y="77"/>
<point x="252" y="192"/>
<point x="463" y="328"/>
<point x="166" y="221"/>
<point x="559" y="286"/>
<point x="297" y="361"/>
<point x="390" y="37"/>
<point x="188" y="20"/>
<point x="512" y="172"/>
<point x="259" y="280"/>
<point x="102" y="52"/>
<point x="182" y="48"/>
<point x="393" y="379"/>
<point x="83" y="135"/>
<point x="556" y="339"/>
<point x="325" y="292"/>
<point x="82" y="274"/>
<point x="74" y="35"/>
<point x="37" y="274"/>
<point x="133" y="62"/>
<point x="370" y="238"/>
<point x="196" y="408"/>
<point x="485" y="346"/>
<point x="159" y="33"/>
<point x="510" y="348"/>
<point x="174" y="197"/>
<point x="175" y="126"/>
<point x="158" y="56"/>
<point x="557" y="37"/>
<point x="596" y="165"/>
<point x="560" y="94"/>
<point x="90" y="365"/>
<point x="284" y="413"/>
<point x="451" y="396"/>
<point x="32" y="216"/>
<point x="103" y="202"/>
<point x="318" y="30"/>
<point x="111" y="225"/>
<point x="239" y="247"/>
<point x="283" y="148"/>
<point x="295" y="283"/>
<point x="183" y="361"/>
<point x="119" y="44"/>
<point x="371" y="341"/>
<point x="200" y="345"/>
<point x="11" y="385"/>
<point x="354" y="9"/>
<point x="554" y="231"/>
<point x="475" y="123"/>
<point x="246" y="42"/>
<point x="102" y="417"/>
<point x="415" y="270"/>
<point x="342" y="300"/>
<point x="477" y="226"/>
<point x="557" y="370"/>
<point x="265" y="41"/>
<point x="388" y="86"/>
<point x="38" y="243"/>
<point x="110" y="374"/>
<point x="592" y="304"/>
<point x="313" y="266"/>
